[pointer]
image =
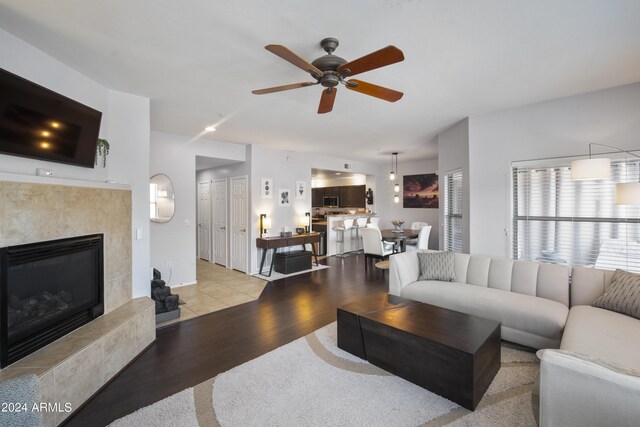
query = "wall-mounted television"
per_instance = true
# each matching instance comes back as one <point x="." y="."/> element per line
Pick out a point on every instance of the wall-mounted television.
<point x="38" y="123"/>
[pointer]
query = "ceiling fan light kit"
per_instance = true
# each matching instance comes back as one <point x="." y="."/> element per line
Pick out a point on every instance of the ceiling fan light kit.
<point x="330" y="70"/>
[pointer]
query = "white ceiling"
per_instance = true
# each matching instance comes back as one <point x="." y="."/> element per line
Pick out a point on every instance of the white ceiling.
<point x="330" y="174"/>
<point x="199" y="60"/>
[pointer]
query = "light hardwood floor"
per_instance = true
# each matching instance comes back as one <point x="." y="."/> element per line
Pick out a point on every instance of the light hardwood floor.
<point x="217" y="288"/>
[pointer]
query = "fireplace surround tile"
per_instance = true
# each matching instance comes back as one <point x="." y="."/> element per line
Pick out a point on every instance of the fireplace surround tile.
<point x="84" y="211"/>
<point x="46" y="385"/>
<point x="79" y="377"/>
<point x="116" y="292"/>
<point x="122" y="338"/>
<point x="33" y="212"/>
<point x="117" y="254"/>
<point x="74" y="367"/>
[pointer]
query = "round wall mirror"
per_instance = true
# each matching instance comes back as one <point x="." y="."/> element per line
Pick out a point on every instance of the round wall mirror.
<point x="161" y="202"/>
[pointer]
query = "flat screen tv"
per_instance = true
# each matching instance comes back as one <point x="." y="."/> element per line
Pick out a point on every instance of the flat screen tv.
<point x="38" y="123"/>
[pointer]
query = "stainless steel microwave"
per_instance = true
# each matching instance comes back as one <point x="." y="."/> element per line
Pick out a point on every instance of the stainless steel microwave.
<point x="331" y="202"/>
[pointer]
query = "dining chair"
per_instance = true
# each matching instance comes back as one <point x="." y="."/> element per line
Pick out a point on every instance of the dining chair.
<point x="416" y="225"/>
<point x="422" y="242"/>
<point x="374" y="246"/>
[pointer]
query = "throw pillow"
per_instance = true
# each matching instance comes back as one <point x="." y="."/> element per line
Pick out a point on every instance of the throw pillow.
<point x="437" y="266"/>
<point x="623" y="294"/>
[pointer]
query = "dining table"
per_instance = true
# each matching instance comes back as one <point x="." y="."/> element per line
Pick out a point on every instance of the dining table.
<point x="391" y="235"/>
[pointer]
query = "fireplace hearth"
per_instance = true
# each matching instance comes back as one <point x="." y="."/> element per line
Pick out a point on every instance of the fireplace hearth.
<point x="47" y="290"/>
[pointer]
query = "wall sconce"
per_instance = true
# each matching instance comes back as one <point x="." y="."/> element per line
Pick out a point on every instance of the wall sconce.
<point x="627" y="193"/>
<point x="307" y="228"/>
<point x="265" y="224"/>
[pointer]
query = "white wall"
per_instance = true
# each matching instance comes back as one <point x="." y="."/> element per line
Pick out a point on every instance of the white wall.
<point x="175" y="241"/>
<point x="129" y="129"/>
<point x="285" y="168"/>
<point x="125" y="124"/>
<point x="561" y="127"/>
<point x="388" y="210"/>
<point x="453" y="154"/>
<point x="339" y="181"/>
<point x="32" y="64"/>
<point x="227" y="172"/>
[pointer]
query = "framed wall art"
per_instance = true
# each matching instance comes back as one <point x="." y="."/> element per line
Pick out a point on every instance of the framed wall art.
<point x="266" y="188"/>
<point x="420" y="191"/>
<point x="284" y="197"/>
<point x="301" y="189"/>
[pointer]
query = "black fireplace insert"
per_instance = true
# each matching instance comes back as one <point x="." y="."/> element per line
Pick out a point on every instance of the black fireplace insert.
<point x="47" y="290"/>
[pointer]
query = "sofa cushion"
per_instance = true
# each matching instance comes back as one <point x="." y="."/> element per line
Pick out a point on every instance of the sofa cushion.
<point x="623" y="295"/>
<point x="537" y="316"/>
<point x="603" y="334"/>
<point x="436" y="266"/>
<point x="478" y="271"/>
<point x="588" y="284"/>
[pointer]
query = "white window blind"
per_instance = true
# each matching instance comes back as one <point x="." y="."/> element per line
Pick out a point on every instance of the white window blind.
<point x="558" y="220"/>
<point x="453" y="211"/>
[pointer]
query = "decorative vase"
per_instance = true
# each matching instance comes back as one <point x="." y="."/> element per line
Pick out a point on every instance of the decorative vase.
<point x="397" y="225"/>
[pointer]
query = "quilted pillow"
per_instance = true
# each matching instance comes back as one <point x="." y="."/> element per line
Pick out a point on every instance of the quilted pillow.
<point x="623" y="294"/>
<point x="437" y="266"/>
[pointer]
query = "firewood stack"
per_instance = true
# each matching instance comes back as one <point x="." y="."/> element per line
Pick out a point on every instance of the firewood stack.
<point x="161" y="294"/>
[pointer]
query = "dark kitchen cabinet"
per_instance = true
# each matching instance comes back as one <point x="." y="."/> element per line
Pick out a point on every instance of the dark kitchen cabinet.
<point x="332" y="191"/>
<point x="351" y="196"/>
<point x="317" y="196"/>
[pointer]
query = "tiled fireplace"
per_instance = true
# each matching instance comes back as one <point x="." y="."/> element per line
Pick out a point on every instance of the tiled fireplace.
<point x="41" y="216"/>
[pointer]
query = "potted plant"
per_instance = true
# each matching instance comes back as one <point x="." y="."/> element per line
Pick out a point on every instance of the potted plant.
<point x="102" y="149"/>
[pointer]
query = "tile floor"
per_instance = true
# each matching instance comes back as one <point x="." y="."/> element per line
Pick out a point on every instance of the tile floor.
<point x="217" y="288"/>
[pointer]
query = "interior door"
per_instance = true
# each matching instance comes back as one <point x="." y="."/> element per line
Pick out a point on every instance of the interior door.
<point x="239" y="229"/>
<point x="220" y="221"/>
<point x="204" y="220"/>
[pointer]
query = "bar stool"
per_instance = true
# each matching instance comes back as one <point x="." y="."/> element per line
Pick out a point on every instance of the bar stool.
<point x="349" y="225"/>
<point x="360" y="223"/>
<point x="340" y="231"/>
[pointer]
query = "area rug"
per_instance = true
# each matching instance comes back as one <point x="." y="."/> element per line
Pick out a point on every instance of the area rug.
<point x="311" y="382"/>
<point x="275" y="275"/>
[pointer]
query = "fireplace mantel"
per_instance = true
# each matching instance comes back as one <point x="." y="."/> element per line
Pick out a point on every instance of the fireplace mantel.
<point x="35" y="179"/>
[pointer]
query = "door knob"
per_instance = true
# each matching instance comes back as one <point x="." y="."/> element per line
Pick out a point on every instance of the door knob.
<point x="223" y="228"/>
<point x="242" y="230"/>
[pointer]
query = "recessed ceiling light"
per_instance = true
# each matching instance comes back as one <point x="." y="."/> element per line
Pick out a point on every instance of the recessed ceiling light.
<point x="45" y="145"/>
<point x="55" y="125"/>
<point x="210" y="129"/>
<point x="338" y="173"/>
<point x="45" y="133"/>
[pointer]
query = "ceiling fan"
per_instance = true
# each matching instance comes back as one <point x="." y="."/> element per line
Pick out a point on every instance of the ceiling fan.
<point x="330" y="70"/>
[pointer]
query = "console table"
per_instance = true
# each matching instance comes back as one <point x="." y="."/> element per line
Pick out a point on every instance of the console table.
<point x="274" y="243"/>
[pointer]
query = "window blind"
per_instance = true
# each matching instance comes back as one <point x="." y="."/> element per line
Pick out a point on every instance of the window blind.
<point x="453" y="211"/>
<point x="558" y="220"/>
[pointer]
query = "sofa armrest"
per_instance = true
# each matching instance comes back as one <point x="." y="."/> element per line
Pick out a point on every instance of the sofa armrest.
<point x="577" y="390"/>
<point x="403" y="269"/>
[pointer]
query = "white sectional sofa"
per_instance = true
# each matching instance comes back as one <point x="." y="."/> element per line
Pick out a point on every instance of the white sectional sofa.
<point x="531" y="300"/>
<point x="594" y="378"/>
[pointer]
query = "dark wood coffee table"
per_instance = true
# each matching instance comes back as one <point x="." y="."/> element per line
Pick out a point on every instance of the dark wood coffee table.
<point x="447" y="352"/>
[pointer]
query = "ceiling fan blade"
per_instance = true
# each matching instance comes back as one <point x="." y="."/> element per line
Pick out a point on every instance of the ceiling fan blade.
<point x="288" y="55"/>
<point x="380" y="58"/>
<point x="281" y="88"/>
<point x="374" y="90"/>
<point x="326" y="101"/>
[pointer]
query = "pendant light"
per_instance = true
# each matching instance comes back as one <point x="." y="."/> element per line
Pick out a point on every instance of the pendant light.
<point x="627" y="193"/>
<point x="392" y="174"/>
<point x="396" y="186"/>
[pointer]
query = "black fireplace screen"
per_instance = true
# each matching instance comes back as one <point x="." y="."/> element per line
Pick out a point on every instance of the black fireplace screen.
<point x="47" y="290"/>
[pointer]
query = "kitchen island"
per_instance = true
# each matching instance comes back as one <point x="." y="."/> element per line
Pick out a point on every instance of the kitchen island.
<point x="332" y="236"/>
